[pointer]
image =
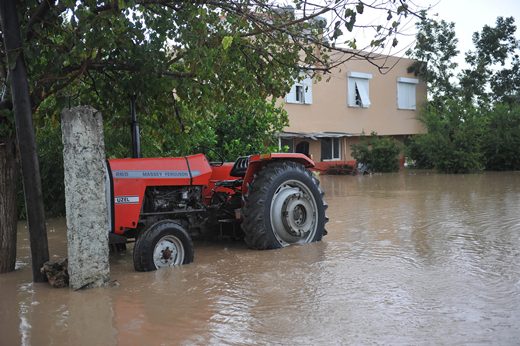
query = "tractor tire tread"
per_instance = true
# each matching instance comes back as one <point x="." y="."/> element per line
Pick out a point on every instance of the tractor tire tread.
<point x="145" y="243"/>
<point x="256" y="234"/>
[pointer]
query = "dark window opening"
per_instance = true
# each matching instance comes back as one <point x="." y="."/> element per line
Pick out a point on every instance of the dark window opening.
<point x="358" y="97"/>
<point x="330" y="149"/>
<point x="303" y="148"/>
<point x="284" y="142"/>
<point x="299" y="93"/>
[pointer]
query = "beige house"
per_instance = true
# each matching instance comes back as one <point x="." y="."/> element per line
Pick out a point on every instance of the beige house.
<point x="326" y="117"/>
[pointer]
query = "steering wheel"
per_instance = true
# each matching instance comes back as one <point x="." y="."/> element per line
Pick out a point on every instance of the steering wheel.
<point x="206" y="151"/>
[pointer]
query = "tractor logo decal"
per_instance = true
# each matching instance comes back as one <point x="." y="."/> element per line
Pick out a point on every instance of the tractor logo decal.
<point x="126" y="200"/>
<point x="149" y="174"/>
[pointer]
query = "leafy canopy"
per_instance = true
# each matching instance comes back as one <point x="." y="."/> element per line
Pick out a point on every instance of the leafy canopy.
<point x="473" y="117"/>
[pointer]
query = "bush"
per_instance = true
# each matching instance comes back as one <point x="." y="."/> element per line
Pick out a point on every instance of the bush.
<point x="417" y="150"/>
<point x="379" y="154"/>
<point x="50" y="155"/>
<point x="501" y="141"/>
<point x="454" y="139"/>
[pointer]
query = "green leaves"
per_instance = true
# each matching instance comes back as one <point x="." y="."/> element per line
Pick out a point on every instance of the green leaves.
<point x="435" y="51"/>
<point x="494" y="63"/>
<point x="379" y="154"/>
<point x="454" y="140"/>
<point x="350" y="19"/>
<point x="360" y="7"/>
<point x="226" y="42"/>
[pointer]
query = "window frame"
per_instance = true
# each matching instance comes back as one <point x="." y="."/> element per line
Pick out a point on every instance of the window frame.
<point x="403" y="84"/>
<point x="306" y="92"/>
<point x="291" y="146"/>
<point x="358" y="89"/>
<point x="333" y="158"/>
<point x="299" y="93"/>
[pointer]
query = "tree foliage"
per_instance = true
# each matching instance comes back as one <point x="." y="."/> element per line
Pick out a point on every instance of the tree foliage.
<point x="204" y="50"/>
<point x="493" y="74"/>
<point x="476" y="124"/>
<point x="501" y="140"/>
<point x="378" y="154"/>
<point x="454" y="139"/>
<point x="435" y="49"/>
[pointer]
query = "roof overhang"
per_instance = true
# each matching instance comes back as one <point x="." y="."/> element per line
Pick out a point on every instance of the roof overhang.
<point x="315" y="135"/>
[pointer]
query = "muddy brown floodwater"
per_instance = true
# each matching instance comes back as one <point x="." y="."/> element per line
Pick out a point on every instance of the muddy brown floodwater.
<point x="411" y="258"/>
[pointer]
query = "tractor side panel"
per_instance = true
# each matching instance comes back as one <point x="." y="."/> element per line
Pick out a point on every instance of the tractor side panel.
<point x="219" y="173"/>
<point x="132" y="176"/>
<point x="200" y="169"/>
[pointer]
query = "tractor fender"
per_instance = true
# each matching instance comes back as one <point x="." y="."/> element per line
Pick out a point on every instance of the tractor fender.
<point x="256" y="162"/>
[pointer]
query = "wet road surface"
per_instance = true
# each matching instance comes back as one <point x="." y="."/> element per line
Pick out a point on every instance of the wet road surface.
<point x="411" y="258"/>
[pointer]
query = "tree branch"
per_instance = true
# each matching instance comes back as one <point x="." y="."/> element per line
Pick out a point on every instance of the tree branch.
<point x="37" y="17"/>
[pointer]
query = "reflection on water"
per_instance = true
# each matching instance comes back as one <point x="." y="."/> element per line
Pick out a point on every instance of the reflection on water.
<point x="411" y="258"/>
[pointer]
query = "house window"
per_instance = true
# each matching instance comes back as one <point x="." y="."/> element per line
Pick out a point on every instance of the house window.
<point x="330" y="149"/>
<point x="286" y="142"/>
<point x="301" y="92"/>
<point x="300" y="95"/>
<point x="406" y="93"/>
<point x="358" y="89"/>
<point x="303" y="148"/>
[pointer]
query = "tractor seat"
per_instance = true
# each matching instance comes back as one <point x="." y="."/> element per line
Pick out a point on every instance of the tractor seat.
<point x="240" y="167"/>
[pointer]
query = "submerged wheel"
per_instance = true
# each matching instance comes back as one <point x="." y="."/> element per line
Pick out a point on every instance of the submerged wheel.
<point x="284" y="205"/>
<point x="164" y="244"/>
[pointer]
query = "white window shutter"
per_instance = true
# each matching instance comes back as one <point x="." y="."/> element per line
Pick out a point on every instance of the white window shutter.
<point x="401" y="95"/>
<point x="291" y="96"/>
<point x="406" y="95"/>
<point x="351" y="92"/>
<point x="307" y="84"/>
<point x="362" y="86"/>
<point x="359" y="81"/>
<point x="411" y="96"/>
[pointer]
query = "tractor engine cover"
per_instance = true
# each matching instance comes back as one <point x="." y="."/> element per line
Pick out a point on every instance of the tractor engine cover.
<point x="173" y="182"/>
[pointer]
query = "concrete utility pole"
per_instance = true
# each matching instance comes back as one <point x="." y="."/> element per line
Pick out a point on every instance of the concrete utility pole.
<point x="85" y="199"/>
<point x="25" y="135"/>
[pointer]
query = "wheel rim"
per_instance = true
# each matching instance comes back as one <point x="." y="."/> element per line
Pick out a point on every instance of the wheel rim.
<point x="294" y="213"/>
<point x="168" y="252"/>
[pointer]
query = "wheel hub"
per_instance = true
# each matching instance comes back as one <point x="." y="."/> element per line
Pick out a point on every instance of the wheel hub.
<point x="168" y="252"/>
<point x="293" y="213"/>
<point x="294" y="210"/>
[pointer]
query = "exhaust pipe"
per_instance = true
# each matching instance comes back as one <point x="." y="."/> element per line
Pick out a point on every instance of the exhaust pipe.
<point x="136" y="139"/>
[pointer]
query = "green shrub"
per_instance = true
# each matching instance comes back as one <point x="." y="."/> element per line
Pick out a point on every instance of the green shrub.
<point x="379" y="154"/>
<point x="50" y="155"/>
<point x="501" y="141"/>
<point x="417" y="150"/>
<point x="454" y="139"/>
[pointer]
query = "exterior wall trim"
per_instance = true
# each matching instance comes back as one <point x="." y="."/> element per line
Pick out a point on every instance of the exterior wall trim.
<point x="408" y="80"/>
<point x="359" y="75"/>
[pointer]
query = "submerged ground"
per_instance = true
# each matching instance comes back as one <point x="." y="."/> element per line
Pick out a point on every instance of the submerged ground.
<point x="411" y="258"/>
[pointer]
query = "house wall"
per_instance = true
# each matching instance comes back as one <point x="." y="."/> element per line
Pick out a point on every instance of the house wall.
<point x="329" y="110"/>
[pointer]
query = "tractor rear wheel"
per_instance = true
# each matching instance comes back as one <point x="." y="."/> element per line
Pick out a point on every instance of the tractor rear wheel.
<point x="283" y="206"/>
<point x="164" y="244"/>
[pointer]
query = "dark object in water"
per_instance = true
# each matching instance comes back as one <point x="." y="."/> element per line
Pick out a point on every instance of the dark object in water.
<point x="341" y="169"/>
<point x="57" y="273"/>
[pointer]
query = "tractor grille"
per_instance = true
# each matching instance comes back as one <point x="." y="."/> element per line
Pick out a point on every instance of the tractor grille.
<point x="240" y="167"/>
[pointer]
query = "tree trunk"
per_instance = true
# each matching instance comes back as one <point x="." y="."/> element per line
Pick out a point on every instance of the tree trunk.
<point x="7" y="206"/>
<point x="25" y="136"/>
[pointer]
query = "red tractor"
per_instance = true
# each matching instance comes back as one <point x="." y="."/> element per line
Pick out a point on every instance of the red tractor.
<point x="162" y="202"/>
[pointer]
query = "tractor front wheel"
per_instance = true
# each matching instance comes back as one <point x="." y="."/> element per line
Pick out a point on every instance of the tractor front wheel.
<point x="283" y="206"/>
<point x="164" y="244"/>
